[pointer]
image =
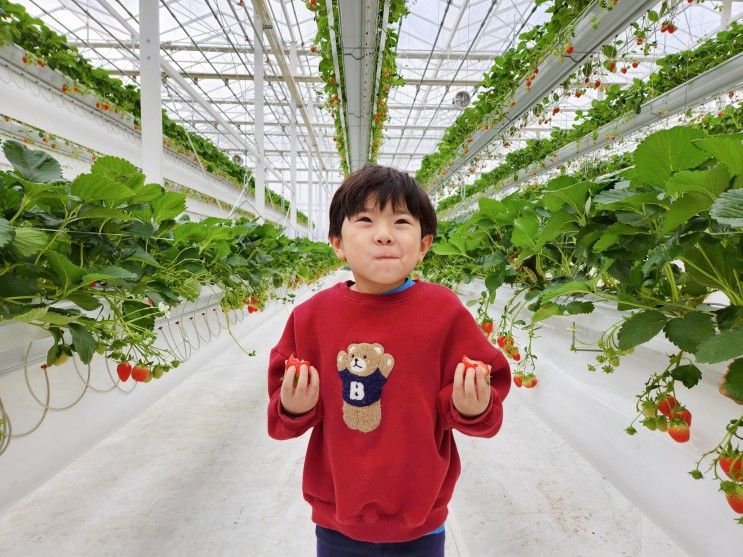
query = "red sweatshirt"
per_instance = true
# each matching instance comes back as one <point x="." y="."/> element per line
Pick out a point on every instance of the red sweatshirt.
<point x="381" y="462"/>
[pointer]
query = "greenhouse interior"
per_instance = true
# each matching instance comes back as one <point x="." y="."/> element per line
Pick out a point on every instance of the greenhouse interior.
<point x="179" y="234"/>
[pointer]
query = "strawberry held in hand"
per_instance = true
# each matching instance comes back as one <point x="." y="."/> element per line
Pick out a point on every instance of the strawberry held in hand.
<point x="477" y="364"/>
<point x="471" y="390"/>
<point x="297" y="363"/>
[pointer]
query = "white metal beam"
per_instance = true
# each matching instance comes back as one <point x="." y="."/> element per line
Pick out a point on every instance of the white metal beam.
<point x="150" y="101"/>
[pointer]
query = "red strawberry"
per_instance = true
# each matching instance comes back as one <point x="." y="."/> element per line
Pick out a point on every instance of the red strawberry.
<point x="530" y="381"/>
<point x="518" y="379"/>
<point x="556" y="110"/>
<point x="635" y="64"/>
<point x="501" y="340"/>
<point x="470" y="363"/>
<point x="732" y="465"/>
<point x="683" y="414"/>
<point x="487" y="327"/>
<point x="597" y="84"/>
<point x="516" y="356"/>
<point x="140" y="373"/>
<point x="569" y="49"/>
<point x="124" y="369"/>
<point x="678" y="430"/>
<point x="252" y="308"/>
<point x="297" y="363"/>
<point x="666" y="403"/>
<point x="624" y="69"/>
<point x="734" y="495"/>
<point x="25" y="59"/>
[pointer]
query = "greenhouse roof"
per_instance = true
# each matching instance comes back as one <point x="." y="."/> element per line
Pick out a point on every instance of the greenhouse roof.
<point x="444" y="48"/>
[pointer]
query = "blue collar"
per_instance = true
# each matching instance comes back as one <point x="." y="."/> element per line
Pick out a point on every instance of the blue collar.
<point x="405" y="285"/>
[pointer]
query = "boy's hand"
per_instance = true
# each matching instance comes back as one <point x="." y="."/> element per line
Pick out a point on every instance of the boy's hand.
<point x="471" y="394"/>
<point x="300" y="398"/>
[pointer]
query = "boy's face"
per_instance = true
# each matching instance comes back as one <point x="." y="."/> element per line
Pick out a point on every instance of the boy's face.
<point x="381" y="247"/>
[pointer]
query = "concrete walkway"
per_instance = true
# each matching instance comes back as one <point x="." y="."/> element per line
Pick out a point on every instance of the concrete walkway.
<point x="196" y="474"/>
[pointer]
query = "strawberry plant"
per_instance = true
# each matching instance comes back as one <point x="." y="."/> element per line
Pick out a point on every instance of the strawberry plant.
<point x="655" y="240"/>
<point x="672" y="73"/>
<point x="108" y="243"/>
<point x="46" y="48"/>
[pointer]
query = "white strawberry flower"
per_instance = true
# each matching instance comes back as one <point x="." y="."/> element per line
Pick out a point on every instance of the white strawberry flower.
<point x="164" y="308"/>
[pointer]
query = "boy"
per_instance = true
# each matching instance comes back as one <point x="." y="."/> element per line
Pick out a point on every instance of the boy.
<point x="385" y="384"/>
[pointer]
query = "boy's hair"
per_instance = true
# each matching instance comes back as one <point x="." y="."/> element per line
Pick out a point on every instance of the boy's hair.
<point x="381" y="184"/>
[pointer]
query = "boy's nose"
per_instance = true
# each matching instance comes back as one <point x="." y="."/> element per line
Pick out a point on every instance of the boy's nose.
<point x="382" y="236"/>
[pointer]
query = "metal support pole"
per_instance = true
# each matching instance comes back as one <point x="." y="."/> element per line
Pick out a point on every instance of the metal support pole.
<point x="150" y="100"/>
<point x="725" y="14"/>
<point x="310" y="197"/>
<point x="293" y="142"/>
<point x="260" y="169"/>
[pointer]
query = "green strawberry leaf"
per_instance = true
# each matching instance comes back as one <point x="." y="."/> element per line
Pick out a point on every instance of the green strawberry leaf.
<point x="729" y="317"/>
<point x="682" y="209"/>
<point x="710" y="182"/>
<point x="688" y="331"/>
<point x="525" y="230"/>
<point x="84" y="300"/>
<point x="718" y="348"/>
<point x="576" y="307"/>
<point x="92" y="187"/>
<point x="66" y="273"/>
<point x="7" y="233"/>
<point x="728" y="208"/>
<point x="109" y="274"/>
<point x="661" y="154"/>
<point x="688" y="374"/>
<point x="727" y="149"/>
<point x="83" y="342"/>
<point x="27" y="242"/>
<point x="34" y="166"/>
<point x="639" y="328"/>
<point x="168" y="206"/>
<point x="119" y="170"/>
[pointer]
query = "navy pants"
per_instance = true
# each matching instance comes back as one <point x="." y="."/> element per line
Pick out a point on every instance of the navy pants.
<point x="334" y="544"/>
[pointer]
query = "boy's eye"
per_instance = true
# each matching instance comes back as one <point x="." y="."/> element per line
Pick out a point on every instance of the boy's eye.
<point x="364" y="218"/>
<point x="403" y="220"/>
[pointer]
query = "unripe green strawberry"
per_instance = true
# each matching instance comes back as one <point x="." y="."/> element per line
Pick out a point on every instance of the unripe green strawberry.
<point x="651" y="423"/>
<point x="649" y="409"/>
<point x="661" y="423"/>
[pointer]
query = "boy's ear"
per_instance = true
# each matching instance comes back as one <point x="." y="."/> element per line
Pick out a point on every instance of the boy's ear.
<point x="426" y="243"/>
<point x="337" y="243"/>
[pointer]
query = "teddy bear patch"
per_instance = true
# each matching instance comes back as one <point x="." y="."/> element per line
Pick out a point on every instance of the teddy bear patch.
<point x="363" y="371"/>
